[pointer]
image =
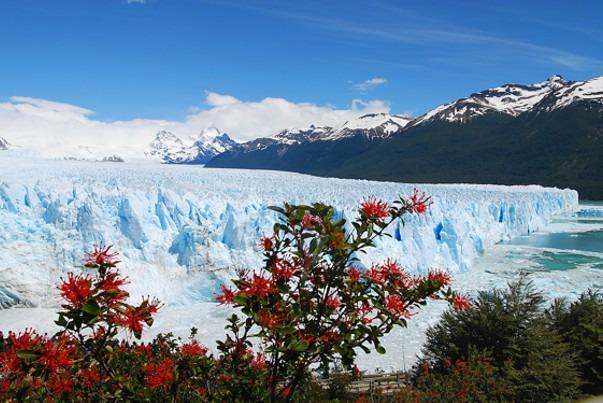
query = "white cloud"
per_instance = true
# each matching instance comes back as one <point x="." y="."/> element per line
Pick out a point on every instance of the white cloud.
<point x="57" y="128"/>
<point x="370" y="84"/>
<point x="136" y="1"/>
<point x="248" y="120"/>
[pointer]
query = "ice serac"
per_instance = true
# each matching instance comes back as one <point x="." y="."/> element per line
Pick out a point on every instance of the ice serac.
<point x="182" y="230"/>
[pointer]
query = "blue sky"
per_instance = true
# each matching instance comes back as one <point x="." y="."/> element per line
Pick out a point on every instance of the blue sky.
<point x="158" y="59"/>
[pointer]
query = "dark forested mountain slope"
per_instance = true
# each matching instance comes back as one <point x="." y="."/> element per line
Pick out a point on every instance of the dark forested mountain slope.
<point x="548" y="133"/>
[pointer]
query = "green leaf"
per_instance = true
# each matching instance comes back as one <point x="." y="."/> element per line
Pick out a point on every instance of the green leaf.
<point x="91" y="308"/>
<point x="380" y="349"/>
<point x="27" y="355"/>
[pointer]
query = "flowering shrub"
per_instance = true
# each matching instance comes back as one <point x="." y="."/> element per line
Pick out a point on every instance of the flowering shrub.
<point x="310" y="307"/>
<point x="86" y="360"/>
<point x="473" y="380"/>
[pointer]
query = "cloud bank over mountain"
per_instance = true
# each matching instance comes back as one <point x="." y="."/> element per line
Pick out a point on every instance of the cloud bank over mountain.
<point x="53" y="127"/>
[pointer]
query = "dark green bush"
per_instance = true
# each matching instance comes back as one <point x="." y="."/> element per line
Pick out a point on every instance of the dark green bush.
<point x="580" y="324"/>
<point x="510" y="327"/>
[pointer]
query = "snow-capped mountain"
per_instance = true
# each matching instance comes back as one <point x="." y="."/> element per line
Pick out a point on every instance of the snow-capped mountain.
<point x="548" y="132"/>
<point x="297" y="135"/>
<point x="3" y="144"/>
<point x="374" y="125"/>
<point x="515" y="99"/>
<point x="171" y="149"/>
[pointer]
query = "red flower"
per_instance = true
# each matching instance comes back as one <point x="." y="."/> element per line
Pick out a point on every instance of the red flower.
<point x="376" y="275"/>
<point x="391" y="268"/>
<point x="354" y="274"/>
<point x="101" y="257"/>
<point x="419" y="202"/>
<point x="332" y="302"/>
<point x="76" y="289"/>
<point x="112" y="282"/>
<point x="268" y="320"/>
<point x="310" y="221"/>
<point x="227" y="295"/>
<point x="373" y="208"/>
<point x="460" y="302"/>
<point x="266" y="243"/>
<point x="396" y="305"/>
<point x="90" y="377"/>
<point x="439" y="276"/>
<point x="260" y="287"/>
<point x="159" y="375"/>
<point x="9" y="362"/>
<point x="60" y="384"/>
<point x="193" y="349"/>
<point x="134" y="317"/>
<point x="259" y="362"/>
<point x="284" y="269"/>
<point x="57" y="354"/>
<point x="26" y="340"/>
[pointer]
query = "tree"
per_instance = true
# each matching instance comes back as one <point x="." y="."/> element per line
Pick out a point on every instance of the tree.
<point x="311" y="306"/>
<point x="508" y="326"/>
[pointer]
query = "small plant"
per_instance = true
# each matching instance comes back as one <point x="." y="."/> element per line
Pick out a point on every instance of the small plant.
<point x="311" y="306"/>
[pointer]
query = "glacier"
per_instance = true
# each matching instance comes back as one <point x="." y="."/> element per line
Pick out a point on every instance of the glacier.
<point x="184" y="230"/>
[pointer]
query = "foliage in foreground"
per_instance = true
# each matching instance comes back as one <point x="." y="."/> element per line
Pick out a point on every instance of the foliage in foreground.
<point x="580" y="324"/>
<point x="539" y="353"/>
<point x="310" y="306"/>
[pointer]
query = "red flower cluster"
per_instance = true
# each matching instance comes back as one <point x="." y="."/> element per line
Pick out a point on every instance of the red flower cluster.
<point x="259" y="286"/>
<point x="374" y="209"/>
<point x="193" y="349"/>
<point x="266" y="243"/>
<point x="419" y="202"/>
<point x="134" y="317"/>
<point x="77" y="289"/>
<point x="227" y="295"/>
<point x="460" y="302"/>
<point x="353" y="274"/>
<point x="159" y="374"/>
<point x="58" y="353"/>
<point x="284" y="269"/>
<point x="101" y="257"/>
<point x="439" y="276"/>
<point x="310" y="221"/>
<point x="396" y="306"/>
<point x="259" y="362"/>
<point x="332" y="302"/>
<point x="391" y="271"/>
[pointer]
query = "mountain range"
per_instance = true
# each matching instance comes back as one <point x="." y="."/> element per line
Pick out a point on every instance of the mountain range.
<point x="548" y="133"/>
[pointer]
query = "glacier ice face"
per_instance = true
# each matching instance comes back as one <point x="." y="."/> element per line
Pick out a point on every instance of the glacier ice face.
<point x="182" y="230"/>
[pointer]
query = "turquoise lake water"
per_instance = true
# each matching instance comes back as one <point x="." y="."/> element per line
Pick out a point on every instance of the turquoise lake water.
<point x="563" y="260"/>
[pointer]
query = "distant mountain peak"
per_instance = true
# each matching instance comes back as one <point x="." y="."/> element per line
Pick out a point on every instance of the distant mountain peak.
<point x="296" y="135"/>
<point x="372" y="125"/>
<point x="4" y="144"/>
<point x="515" y="99"/>
<point x="169" y="148"/>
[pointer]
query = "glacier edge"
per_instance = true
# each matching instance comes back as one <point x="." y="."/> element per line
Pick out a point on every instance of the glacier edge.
<point x="182" y="230"/>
